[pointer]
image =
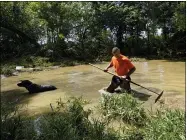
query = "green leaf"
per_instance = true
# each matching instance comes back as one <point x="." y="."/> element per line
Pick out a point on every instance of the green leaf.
<point x="61" y="36"/>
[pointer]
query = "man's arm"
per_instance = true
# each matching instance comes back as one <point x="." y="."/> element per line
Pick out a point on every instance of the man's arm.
<point x="109" y="66"/>
<point x="128" y="74"/>
<point x="131" y="67"/>
<point x="131" y="72"/>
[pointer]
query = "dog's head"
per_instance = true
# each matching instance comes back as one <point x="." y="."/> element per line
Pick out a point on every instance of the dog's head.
<point x="24" y="83"/>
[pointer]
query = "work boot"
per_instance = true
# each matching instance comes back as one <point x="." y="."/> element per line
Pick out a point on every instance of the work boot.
<point x="110" y="90"/>
<point x="111" y="87"/>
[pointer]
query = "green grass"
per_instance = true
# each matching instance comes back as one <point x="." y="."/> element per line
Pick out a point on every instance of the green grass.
<point x="13" y="125"/>
<point x="69" y="121"/>
<point x="166" y="125"/>
<point x="7" y="69"/>
<point x="124" y="107"/>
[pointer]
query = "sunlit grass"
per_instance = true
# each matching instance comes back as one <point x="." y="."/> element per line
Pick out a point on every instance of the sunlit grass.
<point x="166" y="125"/>
<point x="69" y="121"/>
<point x="125" y="107"/>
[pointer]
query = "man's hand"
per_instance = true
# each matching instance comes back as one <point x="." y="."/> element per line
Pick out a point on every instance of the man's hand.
<point x="105" y="70"/>
<point x="109" y="66"/>
<point x="124" y="78"/>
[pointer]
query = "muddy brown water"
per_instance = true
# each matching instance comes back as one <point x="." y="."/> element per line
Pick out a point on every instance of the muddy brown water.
<point x="85" y="81"/>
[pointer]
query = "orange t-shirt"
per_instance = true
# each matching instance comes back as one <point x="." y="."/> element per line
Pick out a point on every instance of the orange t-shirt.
<point x="122" y="65"/>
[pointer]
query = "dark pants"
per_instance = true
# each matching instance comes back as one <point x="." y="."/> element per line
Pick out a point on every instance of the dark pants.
<point x="116" y="81"/>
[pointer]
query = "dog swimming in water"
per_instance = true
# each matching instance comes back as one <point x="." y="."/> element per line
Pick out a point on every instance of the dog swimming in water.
<point x="35" y="88"/>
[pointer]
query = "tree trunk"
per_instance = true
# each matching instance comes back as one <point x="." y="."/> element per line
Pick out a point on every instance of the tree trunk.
<point x="148" y="41"/>
<point x="119" y="36"/>
<point x="137" y="37"/>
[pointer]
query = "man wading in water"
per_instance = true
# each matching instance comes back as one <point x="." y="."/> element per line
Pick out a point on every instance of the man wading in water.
<point x="124" y="68"/>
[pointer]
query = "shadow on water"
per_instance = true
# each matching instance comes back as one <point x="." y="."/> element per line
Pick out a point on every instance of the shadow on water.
<point x="145" y="81"/>
<point x="140" y="95"/>
<point x="16" y="96"/>
<point x="13" y="95"/>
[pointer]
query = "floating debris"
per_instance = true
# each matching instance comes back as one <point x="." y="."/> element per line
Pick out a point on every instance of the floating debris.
<point x="19" y="68"/>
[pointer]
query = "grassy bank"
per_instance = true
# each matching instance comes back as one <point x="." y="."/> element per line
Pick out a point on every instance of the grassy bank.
<point x="8" y="67"/>
<point x="70" y="121"/>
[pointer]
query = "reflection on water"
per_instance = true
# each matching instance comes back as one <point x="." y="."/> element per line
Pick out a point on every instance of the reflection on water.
<point x="85" y="80"/>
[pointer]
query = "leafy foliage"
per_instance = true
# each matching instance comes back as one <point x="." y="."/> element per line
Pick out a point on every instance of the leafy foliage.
<point x="125" y="107"/>
<point x="166" y="125"/>
<point x="89" y="30"/>
<point x="68" y="120"/>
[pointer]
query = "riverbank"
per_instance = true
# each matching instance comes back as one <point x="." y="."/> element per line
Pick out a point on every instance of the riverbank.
<point x="31" y="64"/>
<point x="69" y="120"/>
<point x="8" y="68"/>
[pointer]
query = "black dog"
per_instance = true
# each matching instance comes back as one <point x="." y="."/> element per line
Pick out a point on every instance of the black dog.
<point x="34" y="88"/>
